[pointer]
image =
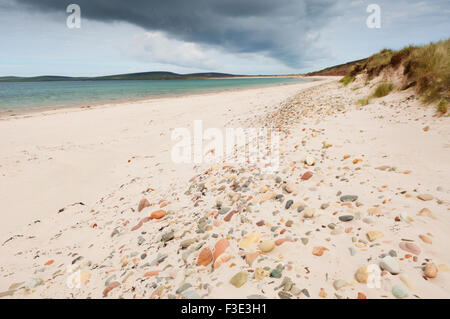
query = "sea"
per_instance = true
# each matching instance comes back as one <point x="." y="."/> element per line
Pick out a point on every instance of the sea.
<point x="31" y="95"/>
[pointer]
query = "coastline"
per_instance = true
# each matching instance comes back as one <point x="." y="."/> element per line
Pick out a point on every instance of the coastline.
<point x="18" y="112"/>
<point x="111" y="158"/>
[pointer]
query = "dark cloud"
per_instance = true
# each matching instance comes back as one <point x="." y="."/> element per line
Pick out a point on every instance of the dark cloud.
<point x="282" y="29"/>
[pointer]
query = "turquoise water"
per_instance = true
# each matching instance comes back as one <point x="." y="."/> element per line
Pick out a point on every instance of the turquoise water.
<point x="14" y="95"/>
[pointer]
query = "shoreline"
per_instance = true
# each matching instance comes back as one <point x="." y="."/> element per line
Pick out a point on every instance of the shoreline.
<point x="6" y="114"/>
<point x="54" y="141"/>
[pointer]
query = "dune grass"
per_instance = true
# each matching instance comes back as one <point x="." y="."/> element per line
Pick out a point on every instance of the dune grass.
<point x="346" y="80"/>
<point x="442" y="107"/>
<point x="364" y="101"/>
<point x="383" y="89"/>
<point x="427" y="68"/>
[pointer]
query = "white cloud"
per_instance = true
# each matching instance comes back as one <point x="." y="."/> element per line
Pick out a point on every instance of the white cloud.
<point x="157" y="47"/>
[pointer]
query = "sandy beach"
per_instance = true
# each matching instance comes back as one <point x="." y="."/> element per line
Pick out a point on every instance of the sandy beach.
<point x="357" y="186"/>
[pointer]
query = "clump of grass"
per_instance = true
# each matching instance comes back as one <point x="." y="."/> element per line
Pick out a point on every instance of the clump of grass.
<point x="430" y="67"/>
<point x="383" y="89"/>
<point x="346" y="80"/>
<point x="364" y="101"/>
<point x="442" y="107"/>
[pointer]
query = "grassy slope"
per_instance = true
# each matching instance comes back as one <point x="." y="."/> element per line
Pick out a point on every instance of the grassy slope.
<point x="427" y="68"/>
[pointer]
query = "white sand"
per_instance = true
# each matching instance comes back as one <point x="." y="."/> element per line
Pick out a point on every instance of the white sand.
<point x="51" y="160"/>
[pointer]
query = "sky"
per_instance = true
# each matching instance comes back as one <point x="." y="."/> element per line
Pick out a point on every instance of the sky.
<point x="186" y="36"/>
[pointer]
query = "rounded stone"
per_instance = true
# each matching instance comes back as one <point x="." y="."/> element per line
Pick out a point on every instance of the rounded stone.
<point x="267" y="246"/>
<point x="390" y="264"/>
<point x="346" y="218"/>
<point x="399" y="291"/>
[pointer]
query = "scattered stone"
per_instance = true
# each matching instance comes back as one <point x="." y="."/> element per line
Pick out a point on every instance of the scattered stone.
<point x="239" y="279"/>
<point x="425" y="197"/>
<point x="309" y="213"/>
<point x="431" y="270"/>
<point x="338" y="284"/>
<point x="346" y="218"/>
<point x="310" y="160"/>
<point x="248" y="241"/>
<point x="348" y="198"/>
<point x="267" y="246"/>
<point x="399" y="291"/>
<point x="184" y="287"/>
<point x="224" y="210"/>
<point x="143" y="204"/>
<point x="390" y="264"/>
<point x="110" y="287"/>
<point x="374" y="235"/>
<point x="319" y="250"/>
<point x="307" y="176"/>
<point x="260" y="274"/>
<point x="289" y="204"/>
<point x="205" y="257"/>
<point x="158" y="214"/>
<point x="425" y="239"/>
<point x="410" y="247"/>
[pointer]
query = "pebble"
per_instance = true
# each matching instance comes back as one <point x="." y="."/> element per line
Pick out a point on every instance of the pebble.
<point x="307" y="176"/>
<point x="306" y="292"/>
<point x="390" y="264"/>
<point x="190" y="294"/>
<point x="362" y="274"/>
<point x="324" y="206"/>
<point x="205" y="257"/>
<point x="399" y="291"/>
<point x="110" y="287"/>
<point x="289" y="204"/>
<point x="187" y="242"/>
<point x="374" y="235"/>
<point x="260" y="274"/>
<point x="248" y="241"/>
<point x="267" y="246"/>
<point x="158" y="214"/>
<point x="319" y="250"/>
<point x="309" y="213"/>
<point x="239" y="279"/>
<point x="346" y="218"/>
<point x="33" y="283"/>
<point x="224" y="210"/>
<point x="142" y="204"/>
<point x="275" y="273"/>
<point x="410" y="247"/>
<point x="310" y="160"/>
<point x="425" y="197"/>
<point x="431" y="270"/>
<point x="348" y="198"/>
<point x="338" y="284"/>
<point x="426" y="239"/>
<point x="183" y="288"/>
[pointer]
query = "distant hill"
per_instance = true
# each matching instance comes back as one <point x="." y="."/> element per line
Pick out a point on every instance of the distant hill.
<point x="158" y="75"/>
<point x="341" y="69"/>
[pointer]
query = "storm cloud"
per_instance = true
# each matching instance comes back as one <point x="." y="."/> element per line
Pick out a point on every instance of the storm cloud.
<point x="282" y="29"/>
